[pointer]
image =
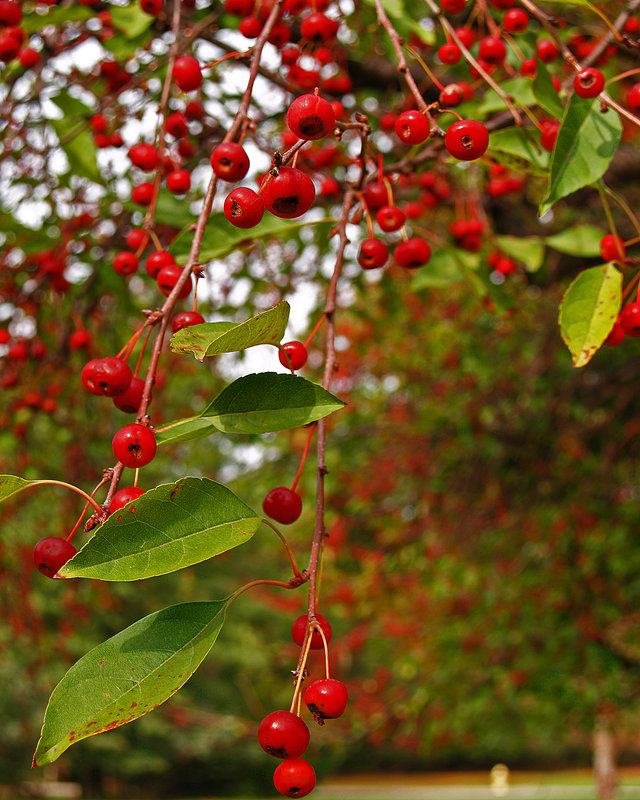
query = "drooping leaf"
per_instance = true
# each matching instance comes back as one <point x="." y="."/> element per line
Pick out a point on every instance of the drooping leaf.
<point x="528" y="249"/>
<point x="580" y="240"/>
<point x="183" y="430"/>
<point x="586" y="143"/>
<point x="518" y="150"/>
<point x="589" y="310"/>
<point x="545" y="92"/>
<point x="443" y="269"/>
<point x="213" y="338"/>
<point x="129" y="675"/>
<point x="12" y="484"/>
<point x="166" y="529"/>
<point x="269" y="402"/>
<point x="130" y="19"/>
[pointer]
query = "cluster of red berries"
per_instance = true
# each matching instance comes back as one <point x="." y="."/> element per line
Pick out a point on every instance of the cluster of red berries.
<point x="285" y="735"/>
<point x="13" y="37"/>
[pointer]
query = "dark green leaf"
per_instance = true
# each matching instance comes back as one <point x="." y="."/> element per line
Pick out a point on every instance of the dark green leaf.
<point x="129" y="675"/>
<point x="545" y="92"/>
<point x="270" y="402"/>
<point x="166" y="529"/>
<point x="213" y="338"/>
<point x="519" y="151"/>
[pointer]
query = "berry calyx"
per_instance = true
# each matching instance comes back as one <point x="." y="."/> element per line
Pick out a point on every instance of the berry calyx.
<point x="295" y="777"/>
<point x="373" y="253"/>
<point x="588" y="82"/>
<point x="51" y="554"/>
<point x="124" y="496"/>
<point x="299" y="628"/>
<point x="283" y="735"/>
<point x="134" y="445"/>
<point x="310" y="117"/>
<point x="282" y="504"/>
<point x="390" y="218"/>
<point x="326" y="699"/>
<point x="186" y="73"/>
<point x="230" y="162"/>
<point x="293" y="355"/>
<point x="108" y="376"/>
<point x="466" y="139"/>
<point x="413" y="253"/>
<point x="612" y="248"/>
<point x="288" y="194"/>
<point x="412" y="127"/>
<point x="185" y="319"/>
<point x="243" y="207"/>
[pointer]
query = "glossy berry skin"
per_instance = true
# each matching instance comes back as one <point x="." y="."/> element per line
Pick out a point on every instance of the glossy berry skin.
<point x="390" y="218"/>
<point x="186" y="73"/>
<point x="633" y="98"/>
<point x="124" y="496"/>
<point x="144" y="156"/>
<point x="451" y="96"/>
<point x="466" y="139"/>
<point x="588" y="82"/>
<point x="168" y="277"/>
<point x="283" y="735"/>
<point x="185" y="319"/>
<point x="129" y="402"/>
<point x="452" y="6"/>
<point x="373" y="254"/>
<point x="134" y="445"/>
<point x="142" y="194"/>
<point x="79" y="339"/>
<point x="179" y="181"/>
<point x="51" y="554"/>
<point x="376" y="195"/>
<point x="516" y="20"/>
<point x="108" y="376"/>
<point x="492" y="50"/>
<point x="310" y="117"/>
<point x="412" y="127"/>
<point x="230" y="162"/>
<point x="28" y="57"/>
<point x="243" y="207"/>
<point x="136" y="239"/>
<point x="630" y="319"/>
<point x="156" y="261"/>
<point x="152" y="7"/>
<point x="288" y="194"/>
<point x="282" y="504"/>
<point x="449" y="53"/>
<point x="125" y="263"/>
<point x="549" y="133"/>
<point x="413" y="253"/>
<point x="294" y="777"/>
<point x="547" y="51"/>
<point x="299" y="629"/>
<point x="616" y="335"/>
<point x="326" y="698"/>
<point x="318" y="28"/>
<point x="612" y="248"/>
<point x="294" y="355"/>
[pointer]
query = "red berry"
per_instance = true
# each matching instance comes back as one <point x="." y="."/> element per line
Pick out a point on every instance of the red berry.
<point x="167" y="278"/>
<point x="616" y="334"/>
<point x="318" y="28"/>
<point x="390" y="218"/>
<point x="413" y="253"/>
<point x="310" y="117"/>
<point x="373" y="253"/>
<point x="449" y="53"/>
<point x="134" y="445"/>
<point x="144" y="156"/>
<point x="51" y="554"/>
<point x="529" y="68"/>
<point x="230" y="162"/>
<point x="153" y="7"/>
<point x="185" y="319"/>
<point x="137" y="238"/>
<point x="412" y="127"/>
<point x="294" y="356"/>
<point x="142" y="194"/>
<point x="633" y="98"/>
<point x="516" y="20"/>
<point x="376" y="195"/>
<point x="280" y="35"/>
<point x="186" y="73"/>
<point x="9" y="47"/>
<point x="547" y="51"/>
<point x="125" y="263"/>
<point x="177" y="124"/>
<point x="283" y="735"/>
<point x="129" y="402"/>
<point x="28" y="57"/>
<point x="157" y="260"/>
<point x="294" y="777"/>
<point x="299" y="629"/>
<point x="466" y="36"/>
<point x="10" y="13"/>
<point x="289" y="55"/>
<point x="79" y="339"/>
<point x="288" y="194"/>
<point x="492" y="50"/>
<point x="124" y="496"/>
<point x="612" y="248"/>
<point x="251" y="27"/>
<point x="194" y="110"/>
<point x="179" y="181"/>
<point x="630" y="319"/>
<point x="452" y="6"/>
<point x="588" y="82"/>
<point x="326" y="698"/>
<point x="451" y="96"/>
<point x="282" y="504"/>
<point x="466" y="139"/>
<point x="108" y="376"/>
<point x="239" y="8"/>
<point x="549" y="133"/>
<point x="243" y="207"/>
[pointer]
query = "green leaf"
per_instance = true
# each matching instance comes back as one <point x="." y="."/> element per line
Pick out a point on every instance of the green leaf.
<point x="183" y="430"/>
<point x="518" y="88"/>
<point x="586" y="143"/>
<point x="589" y="310"/>
<point x="581" y="240"/>
<point x="129" y="675"/>
<point x="221" y="237"/>
<point x="270" y="402"/>
<point x="528" y="249"/>
<point x="71" y="106"/>
<point x="545" y="92"/>
<point x="80" y="149"/>
<point x="11" y="484"/>
<point x="213" y="338"/>
<point x="166" y="529"/>
<point x="56" y="15"/>
<point x="519" y="151"/>
<point x="130" y="19"/>
<point x="123" y="47"/>
<point x="443" y="269"/>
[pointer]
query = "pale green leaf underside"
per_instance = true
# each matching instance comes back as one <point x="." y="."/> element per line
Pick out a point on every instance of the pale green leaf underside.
<point x="528" y="249"/>
<point x="166" y="529"/>
<point x="581" y="240"/>
<point x="589" y="310"/>
<point x="12" y="484"/>
<point x="129" y="675"/>
<point x="519" y="151"/>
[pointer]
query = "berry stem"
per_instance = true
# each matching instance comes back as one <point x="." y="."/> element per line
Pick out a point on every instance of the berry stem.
<point x="302" y="663"/>
<point x="422" y="63"/>
<point x="309" y="338"/>
<point x="262" y="582"/>
<point x="296" y="569"/>
<point x="629" y="288"/>
<point x="326" y="650"/>
<point x="76" y="489"/>
<point x="84" y="510"/>
<point x="304" y="458"/>
<point x="623" y="205"/>
<point x="607" y="209"/>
